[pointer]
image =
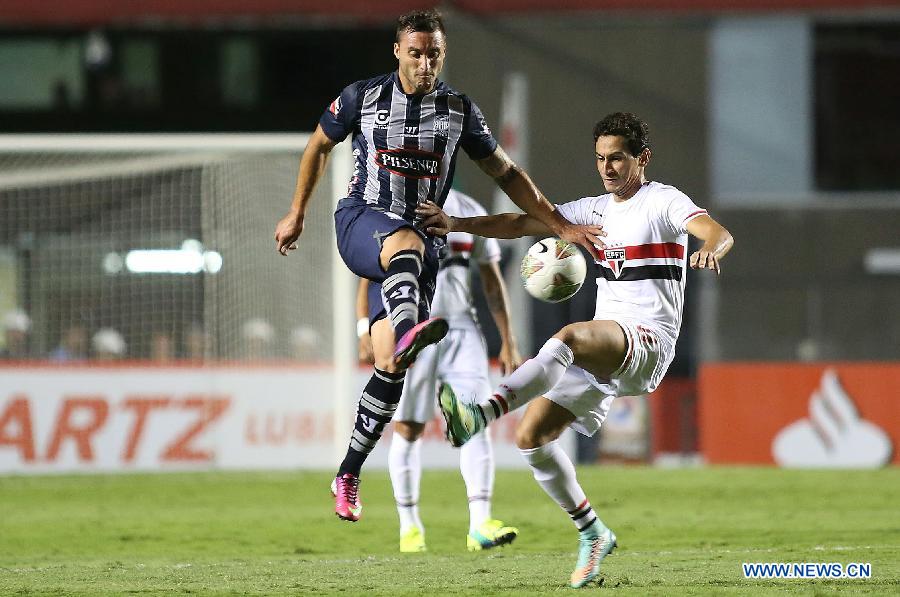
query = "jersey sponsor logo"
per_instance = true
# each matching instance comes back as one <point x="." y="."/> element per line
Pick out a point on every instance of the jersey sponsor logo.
<point x="411" y="130"/>
<point x="381" y="119"/>
<point x="335" y="106"/>
<point x="442" y="125"/>
<point x="409" y="163"/>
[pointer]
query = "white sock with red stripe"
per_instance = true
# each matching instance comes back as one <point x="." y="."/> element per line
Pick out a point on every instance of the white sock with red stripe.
<point x="533" y="378"/>
<point x="555" y="473"/>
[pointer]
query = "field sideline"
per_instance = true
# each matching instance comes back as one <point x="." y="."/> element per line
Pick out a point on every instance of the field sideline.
<point x="680" y="532"/>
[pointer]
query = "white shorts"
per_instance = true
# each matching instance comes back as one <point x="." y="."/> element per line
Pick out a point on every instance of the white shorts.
<point x="460" y="359"/>
<point x="648" y="356"/>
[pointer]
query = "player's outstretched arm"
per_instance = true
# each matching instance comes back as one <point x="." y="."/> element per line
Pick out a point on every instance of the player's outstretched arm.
<point x="498" y="303"/>
<point x="312" y="166"/>
<point x="436" y="221"/>
<point x="717" y="241"/>
<point x="516" y="183"/>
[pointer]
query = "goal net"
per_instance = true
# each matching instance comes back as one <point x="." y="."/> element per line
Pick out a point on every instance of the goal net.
<point x="161" y="247"/>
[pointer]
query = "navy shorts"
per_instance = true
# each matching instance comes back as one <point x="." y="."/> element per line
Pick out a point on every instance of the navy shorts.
<point x="360" y="230"/>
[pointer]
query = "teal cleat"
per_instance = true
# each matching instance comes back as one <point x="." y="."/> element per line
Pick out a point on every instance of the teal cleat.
<point x="463" y="420"/>
<point x="592" y="548"/>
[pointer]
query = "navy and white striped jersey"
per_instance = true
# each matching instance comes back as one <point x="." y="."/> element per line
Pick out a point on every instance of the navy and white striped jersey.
<point x="405" y="146"/>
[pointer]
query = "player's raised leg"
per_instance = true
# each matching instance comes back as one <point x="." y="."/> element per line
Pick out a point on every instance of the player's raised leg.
<point x="401" y="258"/>
<point x="597" y="346"/>
<point x="536" y="437"/>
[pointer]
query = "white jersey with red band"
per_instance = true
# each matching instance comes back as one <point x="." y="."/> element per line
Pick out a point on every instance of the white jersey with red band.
<point x="453" y="294"/>
<point x="642" y="274"/>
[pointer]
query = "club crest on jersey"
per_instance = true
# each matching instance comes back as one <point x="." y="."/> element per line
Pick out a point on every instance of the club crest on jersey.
<point x="616" y="260"/>
<point x="335" y="106"/>
<point x="409" y="163"/>
<point x="442" y="125"/>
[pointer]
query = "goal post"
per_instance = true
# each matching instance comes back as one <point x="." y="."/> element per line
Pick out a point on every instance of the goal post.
<point x="169" y="238"/>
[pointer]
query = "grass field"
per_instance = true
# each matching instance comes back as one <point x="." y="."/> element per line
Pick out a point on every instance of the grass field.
<point x="680" y="532"/>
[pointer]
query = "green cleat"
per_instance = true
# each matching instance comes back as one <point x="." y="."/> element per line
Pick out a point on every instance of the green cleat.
<point x="463" y="420"/>
<point x="592" y="548"/>
<point x="412" y="541"/>
<point x="492" y="533"/>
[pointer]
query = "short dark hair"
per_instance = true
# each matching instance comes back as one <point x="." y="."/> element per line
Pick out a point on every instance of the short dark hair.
<point x="426" y="21"/>
<point x="625" y="124"/>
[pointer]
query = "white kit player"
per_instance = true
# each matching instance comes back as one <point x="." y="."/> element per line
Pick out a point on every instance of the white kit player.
<point x="626" y="348"/>
<point x="461" y="361"/>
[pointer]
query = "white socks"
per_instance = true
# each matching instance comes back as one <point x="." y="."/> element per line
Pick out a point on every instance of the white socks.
<point x="533" y="378"/>
<point x="555" y="473"/>
<point x="476" y="462"/>
<point x="405" y="468"/>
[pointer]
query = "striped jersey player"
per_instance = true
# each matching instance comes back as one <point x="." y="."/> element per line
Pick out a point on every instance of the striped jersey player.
<point x="626" y="348"/>
<point x="407" y="128"/>
<point x="405" y="146"/>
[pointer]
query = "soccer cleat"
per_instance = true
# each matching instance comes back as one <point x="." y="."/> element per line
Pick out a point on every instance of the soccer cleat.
<point x="592" y="548"/>
<point x="463" y="420"/>
<point x="345" y="489"/>
<point x="421" y="335"/>
<point x="412" y="541"/>
<point x="492" y="533"/>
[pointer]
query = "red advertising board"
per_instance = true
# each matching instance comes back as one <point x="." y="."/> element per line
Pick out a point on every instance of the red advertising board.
<point x="84" y="418"/>
<point x="800" y="415"/>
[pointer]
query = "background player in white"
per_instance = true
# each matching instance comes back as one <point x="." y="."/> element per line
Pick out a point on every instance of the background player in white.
<point x="460" y="360"/>
<point x="630" y="343"/>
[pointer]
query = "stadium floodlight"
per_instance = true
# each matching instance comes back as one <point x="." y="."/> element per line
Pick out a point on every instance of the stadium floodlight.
<point x="883" y="261"/>
<point x="189" y="259"/>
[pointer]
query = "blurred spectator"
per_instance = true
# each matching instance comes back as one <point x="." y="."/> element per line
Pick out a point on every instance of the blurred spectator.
<point x="108" y="345"/>
<point x="162" y="347"/>
<point x="258" y="335"/>
<point x="73" y="346"/>
<point x="196" y="343"/>
<point x="305" y="343"/>
<point x="16" y="328"/>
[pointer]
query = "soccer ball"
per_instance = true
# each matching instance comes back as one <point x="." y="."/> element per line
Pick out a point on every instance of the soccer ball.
<point x="553" y="270"/>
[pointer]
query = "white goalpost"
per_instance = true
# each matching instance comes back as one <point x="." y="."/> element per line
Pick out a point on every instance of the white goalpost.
<point x="169" y="237"/>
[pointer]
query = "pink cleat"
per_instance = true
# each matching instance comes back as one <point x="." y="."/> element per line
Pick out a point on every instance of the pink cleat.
<point x="424" y="333"/>
<point x="345" y="490"/>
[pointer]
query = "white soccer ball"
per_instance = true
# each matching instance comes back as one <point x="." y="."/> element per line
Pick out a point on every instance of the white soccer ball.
<point x="553" y="270"/>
